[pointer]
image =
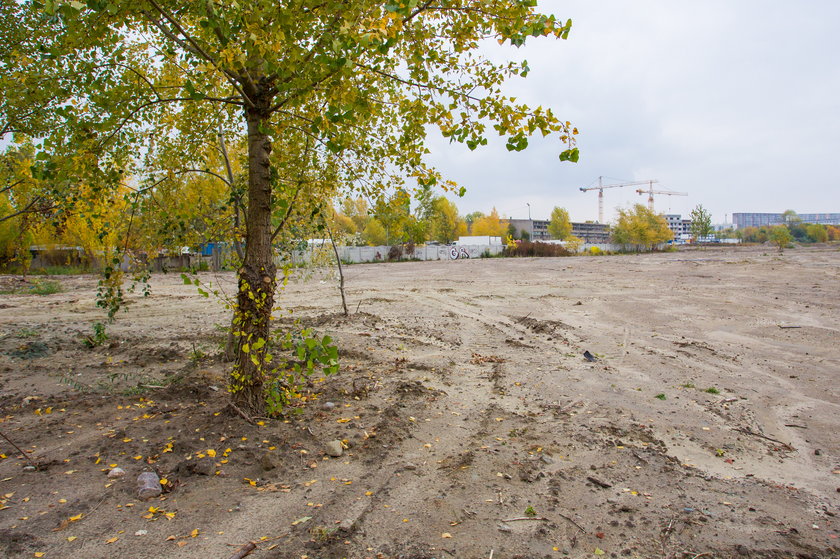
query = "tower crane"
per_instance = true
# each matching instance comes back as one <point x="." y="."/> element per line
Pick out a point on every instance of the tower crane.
<point x="650" y="192"/>
<point x="601" y="186"/>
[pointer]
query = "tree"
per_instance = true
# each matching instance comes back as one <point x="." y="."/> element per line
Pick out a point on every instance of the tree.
<point x="701" y="223"/>
<point x="780" y="236"/>
<point x="790" y="216"/>
<point x="817" y="232"/>
<point x="374" y="233"/>
<point x="490" y="225"/>
<point x="641" y="227"/>
<point x="560" y="226"/>
<point x="324" y="94"/>
<point x="444" y="221"/>
<point x="357" y="210"/>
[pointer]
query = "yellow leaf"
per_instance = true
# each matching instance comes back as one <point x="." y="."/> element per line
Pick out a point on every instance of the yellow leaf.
<point x="71" y="538"/>
<point x="77" y="517"/>
<point x="112" y="540"/>
<point x="48" y="410"/>
<point x="599" y="551"/>
<point x="127" y="440"/>
<point x="39" y="554"/>
<point x="62" y="501"/>
<point x="169" y="515"/>
<point x="211" y="453"/>
<point x="368" y="493"/>
<point x="164" y="481"/>
<point x="446" y="535"/>
<point x="194" y="533"/>
<point x="181" y="544"/>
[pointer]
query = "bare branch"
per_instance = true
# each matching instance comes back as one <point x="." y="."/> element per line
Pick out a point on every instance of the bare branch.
<point x="30" y="208"/>
<point x="11" y="186"/>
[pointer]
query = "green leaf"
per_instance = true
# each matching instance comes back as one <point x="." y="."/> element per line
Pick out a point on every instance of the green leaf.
<point x="570" y="155"/>
<point x="186" y="278"/>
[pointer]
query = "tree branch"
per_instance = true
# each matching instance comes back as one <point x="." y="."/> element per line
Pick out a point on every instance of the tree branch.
<point x="27" y="209"/>
<point x="200" y="51"/>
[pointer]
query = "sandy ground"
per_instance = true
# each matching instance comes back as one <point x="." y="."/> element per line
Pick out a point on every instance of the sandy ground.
<point x="707" y="427"/>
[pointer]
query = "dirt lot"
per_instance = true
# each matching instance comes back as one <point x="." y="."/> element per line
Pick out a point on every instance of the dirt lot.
<point x="707" y="426"/>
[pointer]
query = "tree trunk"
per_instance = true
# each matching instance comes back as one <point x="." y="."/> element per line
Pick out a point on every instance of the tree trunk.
<point x="257" y="280"/>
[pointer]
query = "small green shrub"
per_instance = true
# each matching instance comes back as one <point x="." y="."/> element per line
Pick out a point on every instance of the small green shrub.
<point x="61" y="270"/>
<point x="45" y="287"/>
<point x="99" y="336"/>
<point x="661" y="397"/>
<point x="713" y="390"/>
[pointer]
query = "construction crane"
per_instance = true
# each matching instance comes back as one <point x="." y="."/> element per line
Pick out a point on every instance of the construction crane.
<point x="601" y="186"/>
<point x="650" y="192"/>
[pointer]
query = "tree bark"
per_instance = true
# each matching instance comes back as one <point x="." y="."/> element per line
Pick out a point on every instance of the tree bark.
<point x="257" y="276"/>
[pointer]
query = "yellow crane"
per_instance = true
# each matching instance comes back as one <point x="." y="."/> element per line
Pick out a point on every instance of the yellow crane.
<point x="650" y="192"/>
<point x="601" y="186"/>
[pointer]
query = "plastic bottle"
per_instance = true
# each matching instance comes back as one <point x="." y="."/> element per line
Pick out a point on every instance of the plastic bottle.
<point x="148" y="485"/>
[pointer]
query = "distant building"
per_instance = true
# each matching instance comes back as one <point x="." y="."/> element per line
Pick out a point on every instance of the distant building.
<point x="679" y="226"/>
<point x="594" y="233"/>
<point x="755" y="219"/>
<point x="537" y="229"/>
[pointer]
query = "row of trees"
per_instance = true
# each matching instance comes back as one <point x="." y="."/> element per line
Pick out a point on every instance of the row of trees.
<point x="799" y="232"/>
<point x="391" y="221"/>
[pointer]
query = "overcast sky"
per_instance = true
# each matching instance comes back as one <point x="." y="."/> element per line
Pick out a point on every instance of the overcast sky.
<point x="735" y="102"/>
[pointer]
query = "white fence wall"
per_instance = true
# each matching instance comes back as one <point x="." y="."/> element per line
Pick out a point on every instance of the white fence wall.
<point x="380" y="253"/>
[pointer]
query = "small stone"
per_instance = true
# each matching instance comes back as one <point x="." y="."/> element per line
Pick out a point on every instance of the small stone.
<point x="267" y="461"/>
<point x="328" y="405"/>
<point x="409" y="466"/>
<point x="742" y="550"/>
<point x="505" y="528"/>
<point x="546" y="460"/>
<point x="818" y="452"/>
<point x="141" y="532"/>
<point x="116" y="473"/>
<point x="334" y="448"/>
<point x="204" y="467"/>
<point x="346" y="525"/>
<point x="29" y="468"/>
